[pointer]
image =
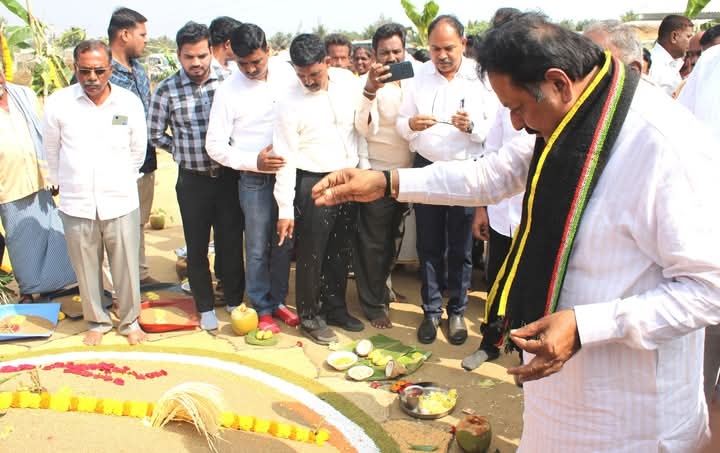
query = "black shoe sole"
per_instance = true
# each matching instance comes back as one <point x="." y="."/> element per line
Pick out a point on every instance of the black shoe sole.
<point x="349" y="328"/>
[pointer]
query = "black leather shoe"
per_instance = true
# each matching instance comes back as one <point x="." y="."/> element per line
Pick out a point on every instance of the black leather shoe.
<point x="428" y="330"/>
<point x="457" y="329"/>
<point x="346" y="322"/>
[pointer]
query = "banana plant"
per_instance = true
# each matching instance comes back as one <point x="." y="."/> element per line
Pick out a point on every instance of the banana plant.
<point x="49" y="73"/>
<point x="421" y="21"/>
<point x="694" y="7"/>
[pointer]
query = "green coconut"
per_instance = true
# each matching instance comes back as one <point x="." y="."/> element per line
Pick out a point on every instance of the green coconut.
<point x="474" y="434"/>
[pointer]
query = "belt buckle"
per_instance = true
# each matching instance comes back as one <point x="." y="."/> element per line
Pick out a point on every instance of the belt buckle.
<point x="214" y="172"/>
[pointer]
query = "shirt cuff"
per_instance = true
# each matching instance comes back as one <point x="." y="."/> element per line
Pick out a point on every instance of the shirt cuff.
<point x="410" y="181"/>
<point x="596" y="323"/>
<point x="286" y="212"/>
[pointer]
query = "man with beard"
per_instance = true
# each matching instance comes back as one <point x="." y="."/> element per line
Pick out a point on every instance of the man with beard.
<point x="95" y="141"/>
<point x="445" y="116"/>
<point x="615" y="268"/>
<point x="240" y="137"/>
<point x="127" y="36"/>
<point x="315" y="134"/>
<point x="206" y="191"/>
<point x="379" y="221"/>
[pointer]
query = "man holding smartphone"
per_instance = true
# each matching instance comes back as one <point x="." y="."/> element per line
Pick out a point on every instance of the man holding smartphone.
<point x="446" y="115"/>
<point x="379" y="221"/>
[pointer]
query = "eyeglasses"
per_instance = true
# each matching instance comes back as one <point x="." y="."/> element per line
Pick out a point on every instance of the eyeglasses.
<point x="98" y="71"/>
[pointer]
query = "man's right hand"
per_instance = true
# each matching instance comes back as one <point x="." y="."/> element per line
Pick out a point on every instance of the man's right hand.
<point x="481" y="224"/>
<point x="269" y="163"/>
<point x="376" y="77"/>
<point x="350" y="184"/>
<point x="419" y="123"/>
<point x="285" y="229"/>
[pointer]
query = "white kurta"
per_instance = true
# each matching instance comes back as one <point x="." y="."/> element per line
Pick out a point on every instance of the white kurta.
<point x="643" y="278"/>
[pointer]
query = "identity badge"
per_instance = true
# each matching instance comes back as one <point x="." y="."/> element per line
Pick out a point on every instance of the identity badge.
<point x="119" y="120"/>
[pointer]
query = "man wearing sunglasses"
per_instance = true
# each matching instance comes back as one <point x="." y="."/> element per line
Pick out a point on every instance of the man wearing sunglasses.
<point x="95" y="140"/>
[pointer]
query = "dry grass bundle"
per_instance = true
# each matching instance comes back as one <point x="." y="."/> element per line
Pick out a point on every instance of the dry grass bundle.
<point x="193" y="402"/>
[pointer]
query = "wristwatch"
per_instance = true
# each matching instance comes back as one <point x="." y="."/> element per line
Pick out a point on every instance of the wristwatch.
<point x="470" y="128"/>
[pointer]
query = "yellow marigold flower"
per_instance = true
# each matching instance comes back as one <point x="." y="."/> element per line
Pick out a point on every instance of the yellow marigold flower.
<point x="245" y="422"/>
<point x="86" y="404"/>
<point x="138" y="409"/>
<point x="59" y="402"/>
<point x="280" y="430"/>
<point x="227" y="419"/>
<point x="321" y="437"/>
<point x="300" y="434"/>
<point x="6" y="399"/>
<point x="261" y="426"/>
<point x="44" y="400"/>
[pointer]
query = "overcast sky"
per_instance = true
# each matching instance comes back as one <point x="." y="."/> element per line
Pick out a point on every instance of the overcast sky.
<point x="166" y="17"/>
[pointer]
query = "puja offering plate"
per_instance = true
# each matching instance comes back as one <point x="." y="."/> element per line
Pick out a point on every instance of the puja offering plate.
<point x="427" y="400"/>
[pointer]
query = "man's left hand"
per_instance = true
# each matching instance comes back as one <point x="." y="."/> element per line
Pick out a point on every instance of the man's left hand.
<point x="269" y="162"/>
<point x="553" y="339"/>
<point x="461" y="120"/>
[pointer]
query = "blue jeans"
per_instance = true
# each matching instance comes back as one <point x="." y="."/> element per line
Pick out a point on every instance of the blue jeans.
<point x="267" y="265"/>
<point x="441" y="231"/>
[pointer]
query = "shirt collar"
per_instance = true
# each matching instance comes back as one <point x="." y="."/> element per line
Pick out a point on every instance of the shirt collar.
<point x="465" y="71"/>
<point x="185" y="80"/>
<point x="80" y="93"/>
<point x="119" y="67"/>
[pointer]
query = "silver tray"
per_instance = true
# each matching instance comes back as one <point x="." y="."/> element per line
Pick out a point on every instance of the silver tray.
<point x="409" y="406"/>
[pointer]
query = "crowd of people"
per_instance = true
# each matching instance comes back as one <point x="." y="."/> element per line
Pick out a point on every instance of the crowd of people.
<point x="585" y="161"/>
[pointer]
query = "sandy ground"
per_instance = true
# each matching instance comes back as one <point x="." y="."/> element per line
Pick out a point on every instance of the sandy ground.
<point x="487" y="391"/>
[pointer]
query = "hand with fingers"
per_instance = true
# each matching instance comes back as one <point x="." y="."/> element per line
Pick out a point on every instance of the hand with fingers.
<point x="269" y="162"/>
<point x="350" y="184"/>
<point x="285" y="229"/>
<point x="553" y="339"/>
<point x="376" y="77"/>
<point x="461" y="120"/>
<point x="481" y="224"/>
<point x="419" y="123"/>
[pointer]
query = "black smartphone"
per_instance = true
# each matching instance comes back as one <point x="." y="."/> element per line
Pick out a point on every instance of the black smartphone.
<point x="399" y="71"/>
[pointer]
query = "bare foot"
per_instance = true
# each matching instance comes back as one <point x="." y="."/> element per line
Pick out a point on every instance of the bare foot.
<point x="136" y="337"/>
<point x="93" y="338"/>
<point x="381" y="323"/>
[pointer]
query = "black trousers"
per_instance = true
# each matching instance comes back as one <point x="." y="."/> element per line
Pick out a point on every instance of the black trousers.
<point x="324" y="235"/>
<point x="206" y="203"/>
<point x="498" y="248"/>
<point x="378" y="230"/>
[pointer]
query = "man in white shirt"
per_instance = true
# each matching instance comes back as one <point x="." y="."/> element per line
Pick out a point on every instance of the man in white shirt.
<point x="240" y="137"/>
<point x="95" y="139"/>
<point x="379" y="221"/>
<point x="701" y="96"/>
<point x="221" y="29"/>
<point x="315" y="134"/>
<point x="667" y="55"/>
<point x="617" y="366"/>
<point x="445" y="116"/>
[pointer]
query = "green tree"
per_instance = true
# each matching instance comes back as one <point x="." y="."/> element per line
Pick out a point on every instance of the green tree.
<point x="694" y="7"/>
<point x="568" y="23"/>
<point x="370" y="30"/>
<point x="421" y="21"/>
<point x="280" y="40"/>
<point x="476" y="27"/>
<point x="629" y="16"/>
<point x="50" y="72"/>
<point x="71" y="38"/>
<point x="320" y="30"/>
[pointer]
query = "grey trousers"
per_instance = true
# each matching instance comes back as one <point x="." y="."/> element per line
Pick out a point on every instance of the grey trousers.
<point x="146" y="191"/>
<point x="711" y="363"/>
<point x="86" y="240"/>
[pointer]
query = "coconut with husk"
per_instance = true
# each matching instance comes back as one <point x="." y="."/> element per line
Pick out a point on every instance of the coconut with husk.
<point x="474" y="434"/>
<point x="394" y="369"/>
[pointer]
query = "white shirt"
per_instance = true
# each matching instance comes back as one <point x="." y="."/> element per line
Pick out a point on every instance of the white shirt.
<point x="505" y="216"/>
<point x="665" y="70"/>
<point x="432" y="94"/>
<point x="242" y="116"/>
<point x="643" y="278"/>
<point x="701" y="94"/>
<point x="314" y="131"/>
<point x="386" y="148"/>
<point x="94" y="152"/>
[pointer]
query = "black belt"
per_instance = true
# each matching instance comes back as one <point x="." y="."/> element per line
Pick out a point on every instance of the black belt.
<point x="254" y="173"/>
<point x="212" y="173"/>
